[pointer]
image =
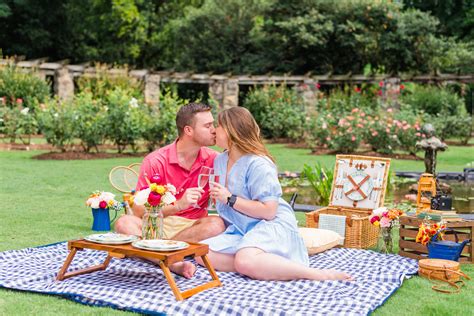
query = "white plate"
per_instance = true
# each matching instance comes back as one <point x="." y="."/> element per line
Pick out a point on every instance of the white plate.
<point x="160" y="244"/>
<point x="111" y="238"/>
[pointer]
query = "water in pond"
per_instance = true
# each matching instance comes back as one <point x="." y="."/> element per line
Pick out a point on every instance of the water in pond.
<point x="463" y="195"/>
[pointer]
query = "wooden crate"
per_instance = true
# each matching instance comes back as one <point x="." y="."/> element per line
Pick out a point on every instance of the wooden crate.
<point x="359" y="232"/>
<point x="409" y="229"/>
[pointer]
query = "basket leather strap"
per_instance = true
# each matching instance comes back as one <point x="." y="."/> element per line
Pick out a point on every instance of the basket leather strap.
<point x="457" y="287"/>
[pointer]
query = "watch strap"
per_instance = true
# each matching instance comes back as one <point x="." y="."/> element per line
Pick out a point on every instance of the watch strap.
<point x="231" y="200"/>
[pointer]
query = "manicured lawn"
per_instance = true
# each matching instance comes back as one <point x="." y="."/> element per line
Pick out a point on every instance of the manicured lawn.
<point x="43" y="202"/>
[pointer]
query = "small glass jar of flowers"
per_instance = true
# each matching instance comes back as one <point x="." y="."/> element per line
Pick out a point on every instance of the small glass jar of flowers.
<point x="101" y="202"/>
<point x="154" y="197"/>
<point x="386" y="219"/>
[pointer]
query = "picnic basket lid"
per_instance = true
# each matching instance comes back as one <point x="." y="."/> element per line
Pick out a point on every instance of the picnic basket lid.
<point x="359" y="182"/>
<point x="438" y="264"/>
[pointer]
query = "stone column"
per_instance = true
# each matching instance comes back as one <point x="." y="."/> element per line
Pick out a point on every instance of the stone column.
<point x="231" y="93"/>
<point x="390" y="88"/>
<point x="308" y="90"/>
<point x="216" y="91"/>
<point x="152" y="89"/>
<point x="63" y="84"/>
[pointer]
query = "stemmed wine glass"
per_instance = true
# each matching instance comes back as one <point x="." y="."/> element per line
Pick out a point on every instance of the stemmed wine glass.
<point x="203" y="178"/>
<point x="212" y="202"/>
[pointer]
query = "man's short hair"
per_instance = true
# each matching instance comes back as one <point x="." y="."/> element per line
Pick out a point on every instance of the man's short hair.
<point x="186" y="113"/>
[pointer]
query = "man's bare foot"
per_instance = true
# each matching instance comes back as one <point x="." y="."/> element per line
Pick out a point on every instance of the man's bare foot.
<point x="184" y="268"/>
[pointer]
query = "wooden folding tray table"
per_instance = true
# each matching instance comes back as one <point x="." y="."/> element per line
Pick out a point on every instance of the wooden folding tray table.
<point x="127" y="250"/>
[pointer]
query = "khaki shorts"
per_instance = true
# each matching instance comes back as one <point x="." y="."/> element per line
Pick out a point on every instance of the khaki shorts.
<point x="172" y="225"/>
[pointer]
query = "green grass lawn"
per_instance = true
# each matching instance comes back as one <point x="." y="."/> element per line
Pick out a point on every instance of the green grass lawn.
<point x="43" y="202"/>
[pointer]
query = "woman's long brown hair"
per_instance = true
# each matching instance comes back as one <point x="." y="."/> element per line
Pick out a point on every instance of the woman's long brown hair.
<point x="242" y="131"/>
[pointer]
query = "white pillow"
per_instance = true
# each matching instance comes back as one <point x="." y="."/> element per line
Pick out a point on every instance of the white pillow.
<point x="318" y="240"/>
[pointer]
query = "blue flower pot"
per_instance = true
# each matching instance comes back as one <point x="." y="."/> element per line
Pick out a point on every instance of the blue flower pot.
<point x="101" y="219"/>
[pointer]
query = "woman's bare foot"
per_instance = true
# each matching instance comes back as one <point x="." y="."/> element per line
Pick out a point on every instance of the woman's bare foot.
<point x="330" y="274"/>
<point x="184" y="268"/>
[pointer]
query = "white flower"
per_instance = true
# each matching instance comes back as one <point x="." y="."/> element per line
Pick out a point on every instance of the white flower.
<point x="168" y="198"/>
<point x="171" y="188"/>
<point x="25" y="111"/>
<point x="133" y="103"/>
<point x="379" y="211"/>
<point x="141" y="197"/>
<point x="107" y="196"/>
<point x="93" y="202"/>
<point x="56" y="115"/>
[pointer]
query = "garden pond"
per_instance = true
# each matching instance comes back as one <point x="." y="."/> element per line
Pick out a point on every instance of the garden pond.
<point x="462" y="193"/>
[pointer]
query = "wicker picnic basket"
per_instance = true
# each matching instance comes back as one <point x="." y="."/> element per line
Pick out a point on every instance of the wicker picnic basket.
<point x="356" y="199"/>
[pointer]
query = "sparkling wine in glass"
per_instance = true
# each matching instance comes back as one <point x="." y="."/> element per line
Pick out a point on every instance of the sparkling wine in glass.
<point x="212" y="202"/>
<point x="203" y="178"/>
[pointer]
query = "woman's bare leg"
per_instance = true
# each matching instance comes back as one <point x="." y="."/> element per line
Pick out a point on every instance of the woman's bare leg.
<point x="220" y="261"/>
<point x="261" y="265"/>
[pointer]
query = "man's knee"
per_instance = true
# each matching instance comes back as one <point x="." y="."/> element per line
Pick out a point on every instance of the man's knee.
<point x="214" y="225"/>
<point x="123" y="223"/>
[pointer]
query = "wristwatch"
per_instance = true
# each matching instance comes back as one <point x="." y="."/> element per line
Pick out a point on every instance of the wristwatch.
<point x="231" y="200"/>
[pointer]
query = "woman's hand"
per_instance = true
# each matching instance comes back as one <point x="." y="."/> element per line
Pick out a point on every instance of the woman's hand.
<point x="219" y="192"/>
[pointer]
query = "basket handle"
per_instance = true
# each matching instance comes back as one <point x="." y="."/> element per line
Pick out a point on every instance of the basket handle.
<point x="439" y="288"/>
<point x="435" y="236"/>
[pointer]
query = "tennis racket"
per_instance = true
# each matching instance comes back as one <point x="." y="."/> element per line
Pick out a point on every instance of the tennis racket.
<point x="135" y="167"/>
<point x="123" y="179"/>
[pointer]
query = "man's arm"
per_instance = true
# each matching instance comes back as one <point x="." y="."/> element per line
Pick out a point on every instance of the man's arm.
<point x="190" y="197"/>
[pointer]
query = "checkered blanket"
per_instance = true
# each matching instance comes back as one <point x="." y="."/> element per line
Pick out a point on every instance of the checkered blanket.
<point x="137" y="285"/>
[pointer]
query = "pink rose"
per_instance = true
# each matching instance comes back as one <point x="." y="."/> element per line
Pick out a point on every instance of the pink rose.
<point x="144" y="187"/>
<point x="385" y="222"/>
<point x="103" y="204"/>
<point x="19" y="101"/>
<point x="156" y="178"/>
<point x="154" y="198"/>
<point x="353" y="138"/>
<point x="381" y="84"/>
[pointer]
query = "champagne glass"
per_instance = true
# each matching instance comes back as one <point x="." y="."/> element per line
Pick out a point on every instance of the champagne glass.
<point x="203" y="179"/>
<point x="212" y="202"/>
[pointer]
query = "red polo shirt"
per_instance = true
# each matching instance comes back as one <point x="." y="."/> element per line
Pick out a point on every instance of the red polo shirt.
<point x="164" y="162"/>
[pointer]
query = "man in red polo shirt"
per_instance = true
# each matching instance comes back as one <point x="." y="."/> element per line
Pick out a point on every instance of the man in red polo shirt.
<point x="179" y="164"/>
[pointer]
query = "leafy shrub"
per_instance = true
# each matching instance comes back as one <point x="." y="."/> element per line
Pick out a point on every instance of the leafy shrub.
<point x="456" y="126"/>
<point x="20" y="88"/>
<point x="433" y="101"/>
<point x="159" y="126"/>
<point x="278" y="110"/>
<point x="102" y="83"/>
<point x="57" y="121"/>
<point x="124" y="119"/>
<point x="341" y="132"/>
<point x="90" y="116"/>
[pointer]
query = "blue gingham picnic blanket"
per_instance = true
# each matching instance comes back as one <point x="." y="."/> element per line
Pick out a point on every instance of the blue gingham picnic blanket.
<point x="137" y="285"/>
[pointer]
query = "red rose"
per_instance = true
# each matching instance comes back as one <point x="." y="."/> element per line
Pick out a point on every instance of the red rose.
<point x="381" y="84"/>
<point x="156" y="179"/>
<point x="374" y="219"/>
<point x="318" y="86"/>
<point x="379" y="92"/>
<point x="103" y="204"/>
<point x="357" y="89"/>
<point x="154" y="198"/>
<point x="402" y="86"/>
